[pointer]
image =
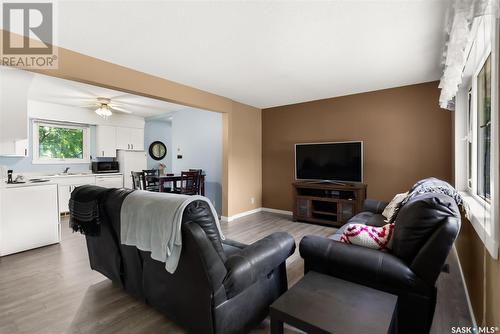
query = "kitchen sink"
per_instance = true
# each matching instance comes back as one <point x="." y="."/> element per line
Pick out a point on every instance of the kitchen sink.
<point x="70" y="174"/>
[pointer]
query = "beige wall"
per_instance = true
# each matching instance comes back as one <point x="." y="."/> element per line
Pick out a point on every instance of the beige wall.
<point x="406" y="137"/>
<point x="245" y="159"/>
<point x="241" y="131"/>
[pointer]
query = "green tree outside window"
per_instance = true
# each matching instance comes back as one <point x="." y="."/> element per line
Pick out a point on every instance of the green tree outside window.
<point x="60" y="143"/>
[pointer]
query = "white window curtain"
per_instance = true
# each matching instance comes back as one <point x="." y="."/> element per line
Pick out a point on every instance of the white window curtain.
<point x="474" y="94"/>
<point x="458" y="29"/>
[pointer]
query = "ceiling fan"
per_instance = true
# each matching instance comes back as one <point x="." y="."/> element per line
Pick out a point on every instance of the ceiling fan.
<point x="105" y="106"/>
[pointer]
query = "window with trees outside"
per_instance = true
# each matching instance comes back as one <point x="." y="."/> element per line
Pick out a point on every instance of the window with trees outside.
<point x="479" y="135"/>
<point x="484" y="131"/>
<point x="60" y="143"/>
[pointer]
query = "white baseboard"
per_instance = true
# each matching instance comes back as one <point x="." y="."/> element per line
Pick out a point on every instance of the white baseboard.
<point x="471" y="311"/>
<point x="281" y="212"/>
<point x="250" y="212"/>
<point x="239" y="215"/>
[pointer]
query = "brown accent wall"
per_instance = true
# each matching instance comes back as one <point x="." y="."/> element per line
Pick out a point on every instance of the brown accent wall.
<point x="482" y="276"/>
<point x="406" y="137"/>
<point x="492" y="291"/>
<point x="472" y="254"/>
<point x="242" y="126"/>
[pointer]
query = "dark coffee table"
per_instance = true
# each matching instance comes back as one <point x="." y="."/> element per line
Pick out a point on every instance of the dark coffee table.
<point x="323" y="304"/>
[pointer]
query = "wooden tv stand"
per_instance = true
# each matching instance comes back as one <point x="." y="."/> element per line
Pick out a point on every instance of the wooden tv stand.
<point x="327" y="203"/>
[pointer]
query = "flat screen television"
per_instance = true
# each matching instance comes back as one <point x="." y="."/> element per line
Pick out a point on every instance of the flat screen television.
<point x="333" y="162"/>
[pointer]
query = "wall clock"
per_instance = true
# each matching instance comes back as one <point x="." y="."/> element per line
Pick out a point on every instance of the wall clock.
<point x="157" y="150"/>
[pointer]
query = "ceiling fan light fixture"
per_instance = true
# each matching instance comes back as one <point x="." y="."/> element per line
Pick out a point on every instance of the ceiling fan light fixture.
<point x="104" y="111"/>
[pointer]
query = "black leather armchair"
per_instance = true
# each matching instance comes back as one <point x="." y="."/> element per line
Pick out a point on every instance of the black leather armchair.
<point x="424" y="232"/>
<point x="218" y="287"/>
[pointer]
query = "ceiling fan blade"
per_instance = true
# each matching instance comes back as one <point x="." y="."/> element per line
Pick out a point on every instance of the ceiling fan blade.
<point x="114" y="107"/>
<point x="133" y="104"/>
<point x="115" y="104"/>
<point x="92" y="105"/>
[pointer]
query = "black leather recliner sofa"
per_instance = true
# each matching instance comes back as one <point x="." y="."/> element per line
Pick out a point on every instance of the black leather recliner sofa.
<point x="424" y="232"/>
<point x="218" y="287"/>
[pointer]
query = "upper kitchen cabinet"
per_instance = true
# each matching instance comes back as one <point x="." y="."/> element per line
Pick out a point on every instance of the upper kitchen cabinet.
<point x="137" y="139"/>
<point x="14" y="87"/>
<point x="130" y="139"/>
<point x="106" y="141"/>
<point x="123" y="138"/>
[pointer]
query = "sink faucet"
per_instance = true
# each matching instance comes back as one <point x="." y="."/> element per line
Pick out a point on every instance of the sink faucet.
<point x="66" y="170"/>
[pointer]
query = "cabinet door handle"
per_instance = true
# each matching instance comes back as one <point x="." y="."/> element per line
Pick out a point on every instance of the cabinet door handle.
<point x="132" y="146"/>
<point x="128" y="146"/>
<point x="25" y="152"/>
<point x="102" y="153"/>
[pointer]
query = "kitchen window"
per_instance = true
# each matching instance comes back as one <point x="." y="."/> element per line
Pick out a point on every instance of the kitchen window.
<point x="55" y="143"/>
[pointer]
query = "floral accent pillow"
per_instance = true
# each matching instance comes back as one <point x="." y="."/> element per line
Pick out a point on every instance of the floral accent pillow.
<point x="368" y="236"/>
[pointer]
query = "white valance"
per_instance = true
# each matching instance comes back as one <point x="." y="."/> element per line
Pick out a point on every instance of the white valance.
<point x="458" y="29"/>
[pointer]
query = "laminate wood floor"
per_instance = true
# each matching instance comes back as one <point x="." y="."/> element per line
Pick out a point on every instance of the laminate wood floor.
<point x="53" y="290"/>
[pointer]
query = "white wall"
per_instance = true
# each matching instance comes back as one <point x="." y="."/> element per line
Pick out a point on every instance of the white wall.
<point x="197" y="136"/>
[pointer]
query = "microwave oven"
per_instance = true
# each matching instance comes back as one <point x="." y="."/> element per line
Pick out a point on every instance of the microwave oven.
<point x="100" y="167"/>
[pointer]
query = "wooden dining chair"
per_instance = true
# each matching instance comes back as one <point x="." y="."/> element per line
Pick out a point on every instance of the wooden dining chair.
<point x="190" y="183"/>
<point x="200" y="171"/>
<point x="151" y="179"/>
<point x="167" y="186"/>
<point x="138" y="181"/>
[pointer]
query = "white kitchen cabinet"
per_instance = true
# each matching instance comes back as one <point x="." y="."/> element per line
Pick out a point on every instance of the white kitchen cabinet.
<point x="106" y="141"/>
<point x="109" y="181"/>
<point x="64" y="194"/>
<point x="66" y="184"/>
<point x="123" y="138"/>
<point x="129" y="139"/>
<point x="137" y="139"/>
<point x="29" y="218"/>
<point x="14" y="86"/>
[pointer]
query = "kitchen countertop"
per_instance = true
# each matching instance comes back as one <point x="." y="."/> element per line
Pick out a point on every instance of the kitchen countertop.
<point x="27" y="184"/>
<point x="49" y="176"/>
<point x="52" y="179"/>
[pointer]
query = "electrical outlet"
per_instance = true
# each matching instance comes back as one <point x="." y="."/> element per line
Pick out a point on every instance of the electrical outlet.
<point x="252" y="200"/>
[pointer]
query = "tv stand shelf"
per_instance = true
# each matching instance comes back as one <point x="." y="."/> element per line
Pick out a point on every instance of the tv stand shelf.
<point x="327" y="203"/>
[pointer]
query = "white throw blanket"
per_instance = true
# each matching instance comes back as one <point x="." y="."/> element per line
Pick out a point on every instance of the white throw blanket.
<point x="151" y="221"/>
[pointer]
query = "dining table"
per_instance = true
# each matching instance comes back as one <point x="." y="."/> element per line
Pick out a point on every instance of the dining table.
<point x="174" y="179"/>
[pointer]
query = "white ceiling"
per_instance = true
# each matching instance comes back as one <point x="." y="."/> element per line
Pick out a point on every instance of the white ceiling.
<point x="54" y="90"/>
<point x="264" y="53"/>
